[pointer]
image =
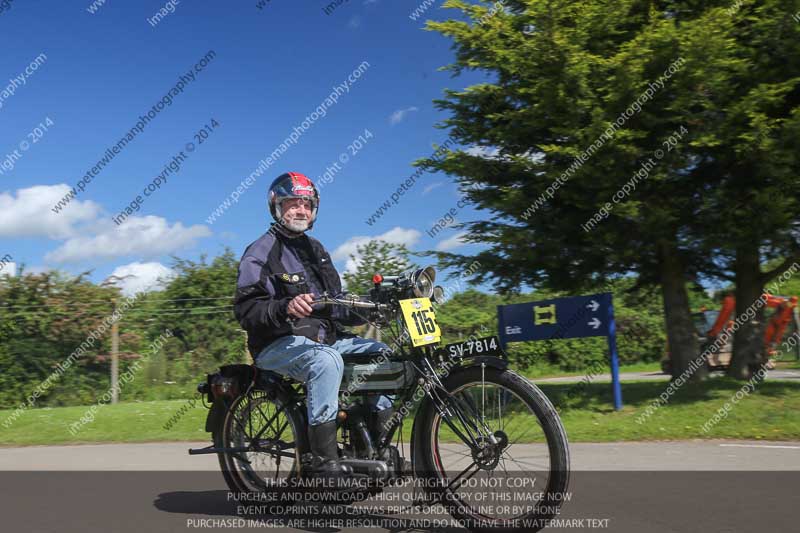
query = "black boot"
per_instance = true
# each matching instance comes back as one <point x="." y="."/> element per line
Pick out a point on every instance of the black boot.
<point x="325" y="452"/>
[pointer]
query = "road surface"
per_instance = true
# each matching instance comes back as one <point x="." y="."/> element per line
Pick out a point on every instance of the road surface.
<point x="694" y="455"/>
<point x="655" y="487"/>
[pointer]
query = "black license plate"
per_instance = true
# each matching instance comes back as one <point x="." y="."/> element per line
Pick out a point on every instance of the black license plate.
<point x="473" y="348"/>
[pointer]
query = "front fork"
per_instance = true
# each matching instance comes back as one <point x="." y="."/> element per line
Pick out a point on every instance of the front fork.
<point x="453" y="409"/>
<point x="474" y="429"/>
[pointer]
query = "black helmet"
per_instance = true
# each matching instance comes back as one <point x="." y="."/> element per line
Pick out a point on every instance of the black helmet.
<point x="292" y="185"/>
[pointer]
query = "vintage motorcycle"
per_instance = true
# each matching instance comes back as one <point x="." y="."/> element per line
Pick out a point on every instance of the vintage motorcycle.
<point x="478" y="427"/>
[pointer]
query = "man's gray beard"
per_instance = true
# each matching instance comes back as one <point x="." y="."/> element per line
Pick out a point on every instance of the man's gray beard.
<point x="297" y="226"/>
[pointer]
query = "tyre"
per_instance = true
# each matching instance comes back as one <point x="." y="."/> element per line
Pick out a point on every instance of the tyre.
<point x="515" y="483"/>
<point x="261" y="436"/>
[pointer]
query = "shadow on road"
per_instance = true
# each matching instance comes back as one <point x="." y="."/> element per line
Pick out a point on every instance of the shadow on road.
<point x="315" y="517"/>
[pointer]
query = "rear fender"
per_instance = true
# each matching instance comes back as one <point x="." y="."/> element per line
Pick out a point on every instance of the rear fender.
<point x="216" y="415"/>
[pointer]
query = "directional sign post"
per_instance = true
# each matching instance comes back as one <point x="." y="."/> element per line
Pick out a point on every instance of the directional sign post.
<point x="564" y="318"/>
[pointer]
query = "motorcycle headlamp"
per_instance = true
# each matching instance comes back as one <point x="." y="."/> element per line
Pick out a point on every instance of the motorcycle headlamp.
<point x="422" y="282"/>
<point x="438" y="295"/>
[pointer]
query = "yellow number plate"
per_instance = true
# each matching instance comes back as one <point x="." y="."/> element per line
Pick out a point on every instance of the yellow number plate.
<point x="421" y="321"/>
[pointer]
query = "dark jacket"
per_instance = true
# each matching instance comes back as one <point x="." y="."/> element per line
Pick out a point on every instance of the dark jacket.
<point x="273" y="270"/>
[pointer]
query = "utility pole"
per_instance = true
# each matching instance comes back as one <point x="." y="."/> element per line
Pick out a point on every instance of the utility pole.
<point x="114" y="356"/>
<point x="109" y="282"/>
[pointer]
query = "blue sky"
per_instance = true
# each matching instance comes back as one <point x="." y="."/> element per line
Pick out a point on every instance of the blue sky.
<point x="271" y="69"/>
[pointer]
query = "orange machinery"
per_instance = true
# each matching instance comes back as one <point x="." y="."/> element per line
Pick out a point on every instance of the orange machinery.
<point x="776" y="327"/>
<point x="710" y="324"/>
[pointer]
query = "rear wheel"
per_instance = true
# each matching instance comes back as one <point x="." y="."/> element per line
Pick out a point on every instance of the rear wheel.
<point x="260" y="435"/>
<point x="496" y="452"/>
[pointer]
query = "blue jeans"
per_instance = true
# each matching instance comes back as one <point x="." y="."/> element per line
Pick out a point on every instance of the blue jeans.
<point x="320" y="367"/>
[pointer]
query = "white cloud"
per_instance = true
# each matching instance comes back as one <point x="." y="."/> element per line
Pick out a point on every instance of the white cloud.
<point x="482" y="151"/>
<point x="8" y="269"/>
<point x="429" y="188"/>
<point x="398" y="116"/>
<point x="453" y="242"/>
<point x="148" y="236"/>
<point x="396" y="235"/>
<point x="36" y="270"/>
<point x="138" y="277"/>
<point x="29" y="213"/>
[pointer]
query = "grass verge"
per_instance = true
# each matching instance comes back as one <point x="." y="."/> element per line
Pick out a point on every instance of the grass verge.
<point x="552" y="371"/>
<point x="771" y="412"/>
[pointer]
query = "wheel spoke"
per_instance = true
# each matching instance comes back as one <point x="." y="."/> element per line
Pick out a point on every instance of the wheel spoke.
<point x="240" y="457"/>
<point x="239" y="424"/>
<point x="525" y="434"/>
<point x="268" y="425"/>
<point x="457" y="453"/>
<point x="468" y="440"/>
<point x="519" y="462"/>
<point x="502" y="464"/>
<point x="500" y="410"/>
<point x="472" y="410"/>
<point x="283" y="428"/>
<point x="449" y="486"/>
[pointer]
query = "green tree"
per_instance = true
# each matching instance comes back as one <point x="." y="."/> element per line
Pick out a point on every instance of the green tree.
<point x="44" y="318"/>
<point x="467" y="313"/>
<point x="749" y="144"/>
<point x="376" y="257"/>
<point x="197" y="306"/>
<point x="583" y="96"/>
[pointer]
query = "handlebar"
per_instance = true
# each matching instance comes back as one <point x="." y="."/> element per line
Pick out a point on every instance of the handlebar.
<point x="349" y="302"/>
<point x="352" y="302"/>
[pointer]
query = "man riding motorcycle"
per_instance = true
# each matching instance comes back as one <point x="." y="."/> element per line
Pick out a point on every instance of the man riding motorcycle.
<point x="279" y="276"/>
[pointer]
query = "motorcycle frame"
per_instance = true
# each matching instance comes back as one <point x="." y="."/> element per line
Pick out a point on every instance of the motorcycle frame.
<point x="291" y="397"/>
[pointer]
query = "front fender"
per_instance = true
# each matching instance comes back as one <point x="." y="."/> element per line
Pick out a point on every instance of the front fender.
<point x="488" y="360"/>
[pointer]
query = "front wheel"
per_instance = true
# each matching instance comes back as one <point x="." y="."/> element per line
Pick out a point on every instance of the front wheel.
<point x="494" y="449"/>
